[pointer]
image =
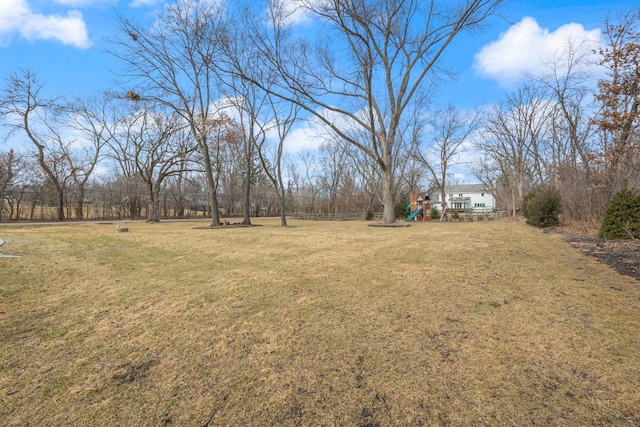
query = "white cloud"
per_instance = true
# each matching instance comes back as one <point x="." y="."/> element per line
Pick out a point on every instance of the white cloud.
<point x="525" y="48"/>
<point x="145" y="3"/>
<point x="69" y="29"/>
<point x="309" y="136"/>
<point x="314" y="132"/>
<point x="295" y="12"/>
<point x="10" y="12"/>
<point x="86" y="3"/>
<point x="17" y="17"/>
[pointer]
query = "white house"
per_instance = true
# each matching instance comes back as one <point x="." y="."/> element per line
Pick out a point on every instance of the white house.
<point x="468" y="197"/>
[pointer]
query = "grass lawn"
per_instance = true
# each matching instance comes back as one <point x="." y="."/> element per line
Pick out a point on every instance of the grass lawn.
<point x="318" y="324"/>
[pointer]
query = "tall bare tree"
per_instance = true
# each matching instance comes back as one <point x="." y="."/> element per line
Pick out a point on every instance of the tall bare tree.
<point x="251" y="104"/>
<point x="284" y="115"/>
<point x="38" y="118"/>
<point x="389" y="48"/>
<point x="173" y="61"/>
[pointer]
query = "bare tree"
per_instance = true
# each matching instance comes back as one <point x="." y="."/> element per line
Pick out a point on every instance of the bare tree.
<point x="573" y="152"/>
<point x="390" y="47"/>
<point x="94" y="119"/>
<point x="156" y="147"/>
<point x="225" y="142"/>
<point x="284" y="116"/>
<point x="448" y="131"/>
<point x="332" y="172"/>
<point x="10" y="164"/>
<point x="174" y="63"/>
<point x="37" y="118"/>
<point x="261" y="113"/>
<point x="514" y="135"/>
<point x="251" y="104"/>
<point x="303" y="174"/>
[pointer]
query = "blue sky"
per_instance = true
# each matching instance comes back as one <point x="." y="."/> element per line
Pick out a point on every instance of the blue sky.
<point x="66" y="41"/>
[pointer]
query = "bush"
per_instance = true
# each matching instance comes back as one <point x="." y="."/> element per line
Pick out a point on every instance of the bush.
<point x="542" y="206"/>
<point x="622" y="215"/>
<point x="369" y="215"/>
<point x="401" y="206"/>
<point x="435" y="213"/>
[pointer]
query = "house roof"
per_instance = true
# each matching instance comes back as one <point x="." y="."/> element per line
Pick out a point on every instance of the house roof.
<point x="467" y="188"/>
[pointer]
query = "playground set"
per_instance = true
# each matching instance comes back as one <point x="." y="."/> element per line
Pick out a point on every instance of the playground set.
<point x="419" y="209"/>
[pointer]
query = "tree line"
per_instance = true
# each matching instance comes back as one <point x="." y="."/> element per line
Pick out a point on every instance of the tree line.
<point x="211" y="93"/>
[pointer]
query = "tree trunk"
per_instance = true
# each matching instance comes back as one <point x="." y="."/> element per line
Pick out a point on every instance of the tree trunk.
<point x="18" y="202"/>
<point x="180" y="207"/>
<point x="180" y="201"/>
<point x="154" y="204"/>
<point x="80" y="204"/>
<point x="246" y="202"/>
<point x="283" y="207"/>
<point x="32" y="209"/>
<point x="443" y="198"/>
<point x="388" y="198"/>
<point x="60" y="207"/>
<point x="211" y="190"/>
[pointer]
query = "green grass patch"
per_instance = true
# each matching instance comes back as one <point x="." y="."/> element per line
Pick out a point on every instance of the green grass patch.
<point x="315" y="324"/>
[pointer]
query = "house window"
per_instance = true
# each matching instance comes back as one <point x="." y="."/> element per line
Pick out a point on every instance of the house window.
<point x="450" y="195"/>
<point x="460" y="195"/>
<point x="479" y="205"/>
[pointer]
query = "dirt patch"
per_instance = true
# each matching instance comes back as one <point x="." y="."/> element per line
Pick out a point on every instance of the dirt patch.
<point x="129" y="373"/>
<point x="621" y="255"/>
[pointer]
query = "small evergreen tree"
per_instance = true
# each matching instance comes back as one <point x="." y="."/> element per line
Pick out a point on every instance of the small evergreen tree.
<point x="435" y="213"/>
<point x="401" y="206"/>
<point x="542" y="206"/>
<point x="622" y="215"/>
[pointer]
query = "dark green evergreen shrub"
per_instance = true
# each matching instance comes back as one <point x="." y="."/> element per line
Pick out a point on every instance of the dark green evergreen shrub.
<point x="542" y="206"/>
<point x="401" y="206"/>
<point x="369" y="215"/>
<point x="435" y="213"/>
<point x="622" y="215"/>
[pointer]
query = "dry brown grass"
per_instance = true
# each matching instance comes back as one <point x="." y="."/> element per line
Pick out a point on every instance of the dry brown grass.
<point x="317" y="324"/>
